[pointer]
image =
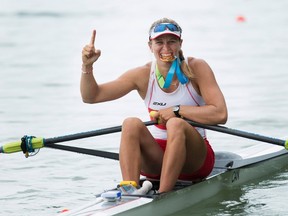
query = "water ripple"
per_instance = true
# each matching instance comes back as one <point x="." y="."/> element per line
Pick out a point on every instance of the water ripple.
<point x="50" y="14"/>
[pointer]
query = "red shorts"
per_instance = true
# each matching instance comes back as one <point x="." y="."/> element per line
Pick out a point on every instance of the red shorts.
<point x="201" y="173"/>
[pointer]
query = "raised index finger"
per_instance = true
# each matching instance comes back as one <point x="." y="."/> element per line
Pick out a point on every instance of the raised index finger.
<point x="92" y="41"/>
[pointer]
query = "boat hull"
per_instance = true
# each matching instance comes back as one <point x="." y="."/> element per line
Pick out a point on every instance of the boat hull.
<point x="230" y="170"/>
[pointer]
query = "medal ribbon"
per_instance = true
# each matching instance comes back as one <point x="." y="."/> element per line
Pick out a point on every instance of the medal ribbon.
<point x="175" y="67"/>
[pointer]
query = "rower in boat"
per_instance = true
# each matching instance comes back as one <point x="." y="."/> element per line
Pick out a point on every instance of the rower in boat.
<point x="175" y="88"/>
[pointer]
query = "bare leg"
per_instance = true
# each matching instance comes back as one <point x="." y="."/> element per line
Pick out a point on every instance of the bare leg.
<point x="185" y="152"/>
<point x="138" y="151"/>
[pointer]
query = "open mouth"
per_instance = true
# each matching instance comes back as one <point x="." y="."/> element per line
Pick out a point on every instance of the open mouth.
<point x="168" y="57"/>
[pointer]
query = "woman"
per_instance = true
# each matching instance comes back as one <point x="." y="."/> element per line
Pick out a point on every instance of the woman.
<point x="177" y="89"/>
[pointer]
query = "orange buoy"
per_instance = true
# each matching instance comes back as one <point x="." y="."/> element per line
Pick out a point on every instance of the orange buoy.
<point x="241" y="19"/>
<point x="64" y="210"/>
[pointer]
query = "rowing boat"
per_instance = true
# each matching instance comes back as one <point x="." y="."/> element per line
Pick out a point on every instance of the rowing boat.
<point x="231" y="169"/>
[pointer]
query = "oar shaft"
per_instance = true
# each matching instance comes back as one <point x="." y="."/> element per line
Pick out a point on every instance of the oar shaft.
<point x="41" y="142"/>
<point x="240" y="133"/>
<point x="89" y="134"/>
<point x="93" y="152"/>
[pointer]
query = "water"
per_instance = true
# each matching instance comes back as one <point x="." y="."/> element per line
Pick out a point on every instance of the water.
<point x="41" y="42"/>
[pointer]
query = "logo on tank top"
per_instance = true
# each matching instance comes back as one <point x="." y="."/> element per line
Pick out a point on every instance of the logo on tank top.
<point x="159" y="104"/>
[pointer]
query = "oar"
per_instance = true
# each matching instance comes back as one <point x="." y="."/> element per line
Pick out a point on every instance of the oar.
<point x="115" y="156"/>
<point x="34" y="143"/>
<point x="93" y="152"/>
<point x="240" y="133"/>
<point x="235" y="132"/>
<point x="30" y="143"/>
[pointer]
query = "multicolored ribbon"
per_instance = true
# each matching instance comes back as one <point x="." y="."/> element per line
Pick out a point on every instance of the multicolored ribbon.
<point x="175" y="67"/>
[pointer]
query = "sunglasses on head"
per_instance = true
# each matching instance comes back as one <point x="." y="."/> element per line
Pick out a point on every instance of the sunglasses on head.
<point x="166" y="26"/>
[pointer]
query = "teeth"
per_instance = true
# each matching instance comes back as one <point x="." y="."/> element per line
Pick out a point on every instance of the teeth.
<point x="167" y="57"/>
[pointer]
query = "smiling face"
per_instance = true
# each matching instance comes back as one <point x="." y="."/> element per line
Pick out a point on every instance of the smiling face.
<point x="165" y="47"/>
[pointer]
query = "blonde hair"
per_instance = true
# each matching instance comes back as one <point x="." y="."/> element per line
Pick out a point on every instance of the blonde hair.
<point x="184" y="66"/>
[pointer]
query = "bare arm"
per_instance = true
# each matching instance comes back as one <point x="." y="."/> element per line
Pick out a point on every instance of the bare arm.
<point x="88" y="84"/>
<point x="95" y="93"/>
<point x="92" y="92"/>
<point x="215" y="110"/>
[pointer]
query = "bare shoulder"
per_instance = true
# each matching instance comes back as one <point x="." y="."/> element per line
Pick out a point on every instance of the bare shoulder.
<point x="203" y="75"/>
<point x="138" y="71"/>
<point x="199" y="67"/>
<point x="139" y="76"/>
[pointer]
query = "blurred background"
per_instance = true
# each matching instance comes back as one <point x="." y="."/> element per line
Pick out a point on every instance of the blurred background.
<point x="244" y="41"/>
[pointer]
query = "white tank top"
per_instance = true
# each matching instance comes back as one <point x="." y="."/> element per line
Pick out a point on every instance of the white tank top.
<point x="157" y="99"/>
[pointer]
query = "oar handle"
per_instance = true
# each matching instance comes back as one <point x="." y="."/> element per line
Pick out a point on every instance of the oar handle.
<point x="12" y="147"/>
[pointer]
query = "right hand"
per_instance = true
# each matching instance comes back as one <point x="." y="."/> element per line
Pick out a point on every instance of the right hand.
<point x="89" y="53"/>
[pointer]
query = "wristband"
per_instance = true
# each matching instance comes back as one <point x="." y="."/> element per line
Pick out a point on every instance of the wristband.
<point x="87" y="72"/>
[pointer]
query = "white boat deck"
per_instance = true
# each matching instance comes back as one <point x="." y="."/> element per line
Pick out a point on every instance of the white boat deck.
<point x="257" y="153"/>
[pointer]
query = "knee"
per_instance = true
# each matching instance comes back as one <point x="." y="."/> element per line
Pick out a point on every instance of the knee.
<point x="131" y="123"/>
<point x="175" y="124"/>
<point x="131" y="131"/>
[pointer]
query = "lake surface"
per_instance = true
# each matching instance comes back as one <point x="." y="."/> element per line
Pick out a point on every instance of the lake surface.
<point x="41" y="43"/>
